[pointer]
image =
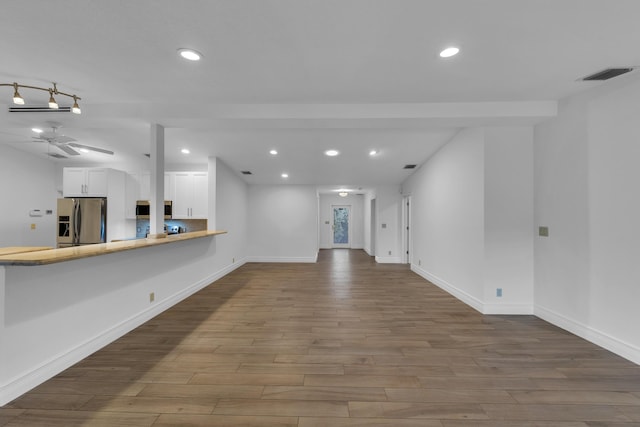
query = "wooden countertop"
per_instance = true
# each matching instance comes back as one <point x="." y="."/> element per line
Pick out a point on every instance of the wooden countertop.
<point x="20" y="249"/>
<point x="50" y="256"/>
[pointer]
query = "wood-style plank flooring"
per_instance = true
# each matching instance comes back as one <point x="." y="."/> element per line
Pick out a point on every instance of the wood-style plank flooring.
<point x="344" y="342"/>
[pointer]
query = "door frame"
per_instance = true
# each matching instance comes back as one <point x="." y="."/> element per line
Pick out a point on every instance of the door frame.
<point x="350" y="223"/>
<point x="406" y="230"/>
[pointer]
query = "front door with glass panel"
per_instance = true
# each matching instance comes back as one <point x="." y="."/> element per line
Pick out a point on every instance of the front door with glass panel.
<point x="341" y="229"/>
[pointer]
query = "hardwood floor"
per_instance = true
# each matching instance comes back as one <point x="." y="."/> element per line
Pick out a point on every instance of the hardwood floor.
<point x="344" y="342"/>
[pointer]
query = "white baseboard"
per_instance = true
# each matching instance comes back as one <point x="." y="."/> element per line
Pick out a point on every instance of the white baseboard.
<point x="473" y="302"/>
<point x="621" y="348"/>
<point x="521" y="309"/>
<point x="59" y="363"/>
<point x="281" y="259"/>
<point x="388" y="260"/>
<point x="470" y="300"/>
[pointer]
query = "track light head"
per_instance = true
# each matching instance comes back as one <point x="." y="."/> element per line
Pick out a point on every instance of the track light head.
<point x="17" y="99"/>
<point x="52" y="101"/>
<point x="76" y="108"/>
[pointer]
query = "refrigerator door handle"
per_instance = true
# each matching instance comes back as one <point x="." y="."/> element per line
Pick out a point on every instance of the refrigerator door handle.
<point x="77" y="218"/>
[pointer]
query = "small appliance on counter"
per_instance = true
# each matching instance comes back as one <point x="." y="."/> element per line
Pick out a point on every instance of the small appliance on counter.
<point x="81" y="221"/>
<point x="143" y="209"/>
<point x="175" y="229"/>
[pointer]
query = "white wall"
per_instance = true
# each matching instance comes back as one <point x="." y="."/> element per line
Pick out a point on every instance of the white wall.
<point x="447" y="196"/>
<point x="282" y="223"/>
<point x="586" y="187"/>
<point x="28" y="182"/>
<point x="388" y="238"/>
<point x="472" y="219"/>
<point x="356" y="222"/>
<point x="231" y="207"/>
<point x="508" y="220"/>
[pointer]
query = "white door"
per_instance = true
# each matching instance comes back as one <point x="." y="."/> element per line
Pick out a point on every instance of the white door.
<point x="341" y="226"/>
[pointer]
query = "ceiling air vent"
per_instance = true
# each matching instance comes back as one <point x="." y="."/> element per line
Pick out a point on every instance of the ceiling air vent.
<point x="409" y="166"/>
<point x="607" y="74"/>
<point x="246" y="173"/>
<point x="39" y="110"/>
<point x="57" y="156"/>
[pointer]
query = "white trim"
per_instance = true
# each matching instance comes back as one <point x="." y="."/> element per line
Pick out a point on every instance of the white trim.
<point x="59" y="363"/>
<point x="406" y="235"/>
<point x="613" y="344"/>
<point x="520" y="309"/>
<point x="282" y="259"/>
<point x="470" y="300"/>
<point x="389" y="259"/>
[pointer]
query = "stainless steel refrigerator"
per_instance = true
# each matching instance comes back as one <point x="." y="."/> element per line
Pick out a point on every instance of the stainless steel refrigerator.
<point x="81" y="221"/>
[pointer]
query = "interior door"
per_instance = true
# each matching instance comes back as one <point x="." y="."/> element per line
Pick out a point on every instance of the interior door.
<point x="341" y="226"/>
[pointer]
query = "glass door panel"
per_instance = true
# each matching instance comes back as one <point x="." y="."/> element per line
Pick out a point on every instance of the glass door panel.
<point x="341" y="230"/>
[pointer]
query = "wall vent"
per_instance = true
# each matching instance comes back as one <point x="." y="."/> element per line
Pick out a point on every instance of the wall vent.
<point x="409" y="166"/>
<point x="39" y="110"/>
<point x="607" y="74"/>
<point x="246" y="173"/>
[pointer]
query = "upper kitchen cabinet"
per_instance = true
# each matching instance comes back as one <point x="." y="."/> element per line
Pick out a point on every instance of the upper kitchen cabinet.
<point x="85" y="182"/>
<point x="190" y="195"/>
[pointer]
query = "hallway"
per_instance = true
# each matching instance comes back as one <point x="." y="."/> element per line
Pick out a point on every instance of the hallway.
<point x="342" y="342"/>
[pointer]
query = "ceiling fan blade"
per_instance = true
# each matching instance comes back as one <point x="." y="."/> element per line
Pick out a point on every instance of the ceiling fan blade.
<point x="62" y="139"/>
<point x="68" y="150"/>
<point x="88" y="147"/>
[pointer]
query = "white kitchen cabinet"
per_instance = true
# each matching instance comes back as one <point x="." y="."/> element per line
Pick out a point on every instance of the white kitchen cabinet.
<point x="85" y="182"/>
<point x="190" y="195"/>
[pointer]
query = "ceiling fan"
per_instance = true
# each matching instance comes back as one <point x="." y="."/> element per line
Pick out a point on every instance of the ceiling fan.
<point x="66" y="143"/>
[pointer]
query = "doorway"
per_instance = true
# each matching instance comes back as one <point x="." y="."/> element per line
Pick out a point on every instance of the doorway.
<point x="341" y="216"/>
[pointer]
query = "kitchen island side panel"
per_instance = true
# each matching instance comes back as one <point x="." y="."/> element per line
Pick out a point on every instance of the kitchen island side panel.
<point x="55" y="315"/>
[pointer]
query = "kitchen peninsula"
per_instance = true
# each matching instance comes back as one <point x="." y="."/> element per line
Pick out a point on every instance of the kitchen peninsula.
<point x="58" y="306"/>
<point x="42" y="256"/>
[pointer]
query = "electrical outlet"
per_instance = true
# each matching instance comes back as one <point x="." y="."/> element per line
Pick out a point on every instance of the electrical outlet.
<point x="233" y="260"/>
<point x="543" y="231"/>
<point x="389" y="252"/>
<point x="33" y="226"/>
<point x="499" y="292"/>
<point x="419" y="262"/>
<point x="152" y="297"/>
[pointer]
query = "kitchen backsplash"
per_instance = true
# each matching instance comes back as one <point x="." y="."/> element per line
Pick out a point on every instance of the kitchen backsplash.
<point x="188" y="225"/>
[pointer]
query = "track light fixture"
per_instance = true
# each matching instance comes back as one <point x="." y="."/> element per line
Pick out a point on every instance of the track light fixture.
<point x="53" y="104"/>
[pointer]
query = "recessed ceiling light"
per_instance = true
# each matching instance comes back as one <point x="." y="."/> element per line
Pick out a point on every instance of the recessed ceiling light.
<point x="285" y="175"/>
<point x="331" y="153"/>
<point x="36" y="130"/>
<point x="185" y="151"/>
<point x="190" y="54"/>
<point x="449" y="52"/>
<point x="83" y="150"/>
<point x="273" y="152"/>
<point x="373" y="152"/>
<point x="343" y="194"/>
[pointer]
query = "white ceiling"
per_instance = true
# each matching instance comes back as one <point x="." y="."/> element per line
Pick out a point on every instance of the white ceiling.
<point x="302" y="76"/>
